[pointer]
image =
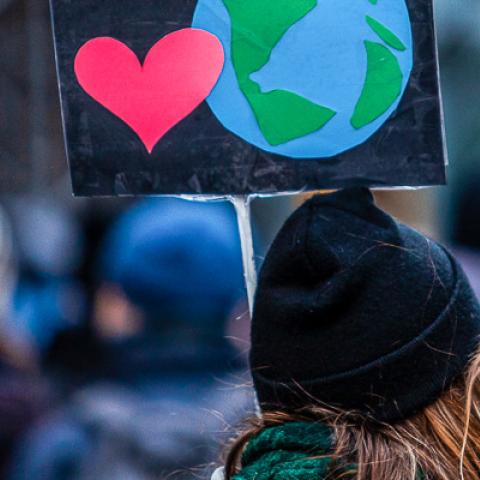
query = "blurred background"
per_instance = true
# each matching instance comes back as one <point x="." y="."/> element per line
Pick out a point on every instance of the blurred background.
<point x="108" y="369"/>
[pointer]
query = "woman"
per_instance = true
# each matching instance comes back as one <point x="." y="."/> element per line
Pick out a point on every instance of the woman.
<point x="364" y="341"/>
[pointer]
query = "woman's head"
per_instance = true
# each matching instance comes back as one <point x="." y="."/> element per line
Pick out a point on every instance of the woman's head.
<point x="368" y="327"/>
<point x="360" y="312"/>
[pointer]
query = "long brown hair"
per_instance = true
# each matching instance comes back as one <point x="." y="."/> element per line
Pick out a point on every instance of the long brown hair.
<point x="440" y="443"/>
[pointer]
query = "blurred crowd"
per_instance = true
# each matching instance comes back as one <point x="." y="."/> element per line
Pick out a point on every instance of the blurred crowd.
<point x="124" y="323"/>
<point x="122" y="353"/>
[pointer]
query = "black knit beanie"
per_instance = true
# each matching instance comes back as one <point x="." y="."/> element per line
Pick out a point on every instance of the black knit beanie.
<point x="357" y="311"/>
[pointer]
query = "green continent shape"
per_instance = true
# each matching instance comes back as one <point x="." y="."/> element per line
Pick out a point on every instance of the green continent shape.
<point x="386" y="35"/>
<point x="383" y="85"/>
<point x="257" y="26"/>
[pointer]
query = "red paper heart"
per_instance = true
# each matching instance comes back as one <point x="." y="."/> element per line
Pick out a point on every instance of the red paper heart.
<point x="178" y="73"/>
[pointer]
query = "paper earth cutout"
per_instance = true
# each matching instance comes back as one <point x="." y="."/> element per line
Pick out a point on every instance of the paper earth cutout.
<point x="308" y="79"/>
<point x="178" y="73"/>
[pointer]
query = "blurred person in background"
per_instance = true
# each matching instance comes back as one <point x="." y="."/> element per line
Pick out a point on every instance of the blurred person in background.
<point x="169" y="381"/>
<point x="466" y="232"/>
<point x="74" y="354"/>
<point x="24" y="396"/>
<point x="47" y="297"/>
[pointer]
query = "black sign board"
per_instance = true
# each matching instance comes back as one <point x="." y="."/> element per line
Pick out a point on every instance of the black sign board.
<point x="248" y="96"/>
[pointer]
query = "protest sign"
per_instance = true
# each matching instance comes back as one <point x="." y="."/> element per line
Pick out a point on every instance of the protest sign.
<point x="248" y="96"/>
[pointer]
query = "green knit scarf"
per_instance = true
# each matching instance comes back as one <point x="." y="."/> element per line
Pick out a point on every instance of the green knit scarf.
<point x="288" y="452"/>
<point x="293" y="451"/>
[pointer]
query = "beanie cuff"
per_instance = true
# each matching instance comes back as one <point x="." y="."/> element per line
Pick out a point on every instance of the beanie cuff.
<point x="431" y="361"/>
